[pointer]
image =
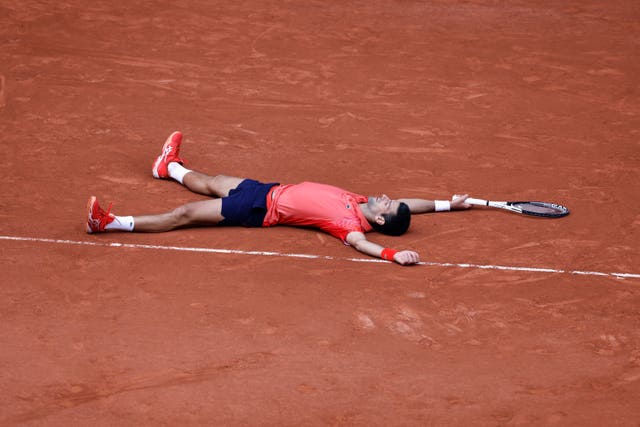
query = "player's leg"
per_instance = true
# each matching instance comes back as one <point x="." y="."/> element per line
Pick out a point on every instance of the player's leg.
<point x="201" y="213"/>
<point x="218" y="185"/>
<point x="168" y="165"/>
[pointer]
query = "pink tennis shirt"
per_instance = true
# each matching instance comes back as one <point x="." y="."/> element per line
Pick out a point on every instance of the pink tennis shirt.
<point x="308" y="204"/>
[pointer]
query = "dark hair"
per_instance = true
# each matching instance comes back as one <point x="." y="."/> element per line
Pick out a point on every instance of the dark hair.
<point x="395" y="225"/>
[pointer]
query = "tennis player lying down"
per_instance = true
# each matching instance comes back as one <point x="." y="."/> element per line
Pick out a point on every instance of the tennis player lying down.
<point x="245" y="202"/>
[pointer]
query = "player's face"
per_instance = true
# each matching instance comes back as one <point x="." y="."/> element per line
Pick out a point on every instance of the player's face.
<point x="383" y="205"/>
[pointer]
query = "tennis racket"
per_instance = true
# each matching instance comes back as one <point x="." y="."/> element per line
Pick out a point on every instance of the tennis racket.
<point x="541" y="209"/>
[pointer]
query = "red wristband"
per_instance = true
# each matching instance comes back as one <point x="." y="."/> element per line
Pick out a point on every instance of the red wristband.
<point x="388" y="253"/>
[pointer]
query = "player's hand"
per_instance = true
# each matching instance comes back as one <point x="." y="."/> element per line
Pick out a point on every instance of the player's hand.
<point x="458" y="202"/>
<point x="406" y="257"/>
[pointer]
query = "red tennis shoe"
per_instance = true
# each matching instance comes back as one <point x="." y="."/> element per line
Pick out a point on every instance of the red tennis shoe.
<point x="170" y="153"/>
<point x="97" y="218"/>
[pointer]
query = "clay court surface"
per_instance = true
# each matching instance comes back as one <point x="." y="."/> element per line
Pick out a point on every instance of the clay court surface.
<point x="503" y="100"/>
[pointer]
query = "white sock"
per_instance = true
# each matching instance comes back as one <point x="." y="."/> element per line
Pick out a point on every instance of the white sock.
<point x="177" y="171"/>
<point x="122" y="223"/>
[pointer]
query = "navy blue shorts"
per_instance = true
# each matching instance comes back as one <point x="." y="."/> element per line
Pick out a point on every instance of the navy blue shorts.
<point x="246" y="204"/>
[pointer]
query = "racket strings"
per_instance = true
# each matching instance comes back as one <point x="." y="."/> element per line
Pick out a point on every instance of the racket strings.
<point x="540" y="208"/>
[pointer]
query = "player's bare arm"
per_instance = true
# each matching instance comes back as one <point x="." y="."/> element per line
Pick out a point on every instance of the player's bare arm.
<point x="420" y="206"/>
<point x="359" y="241"/>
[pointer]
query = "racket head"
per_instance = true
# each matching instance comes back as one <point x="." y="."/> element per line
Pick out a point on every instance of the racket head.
<point x="541" y="209"/>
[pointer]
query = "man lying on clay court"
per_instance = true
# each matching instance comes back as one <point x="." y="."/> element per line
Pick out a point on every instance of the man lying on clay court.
<point x="238" y="201"/>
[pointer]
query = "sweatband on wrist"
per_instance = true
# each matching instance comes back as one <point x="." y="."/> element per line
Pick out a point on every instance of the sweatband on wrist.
<point x="442" y="205"/>
<point x="388" y="253"/>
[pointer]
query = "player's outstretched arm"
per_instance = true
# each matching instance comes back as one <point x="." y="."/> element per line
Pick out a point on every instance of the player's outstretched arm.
<point x="420" y="206"/>
<point x="359" y="241"/>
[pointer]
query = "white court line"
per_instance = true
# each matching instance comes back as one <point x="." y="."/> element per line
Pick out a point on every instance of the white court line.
<point x="309" y="256"/>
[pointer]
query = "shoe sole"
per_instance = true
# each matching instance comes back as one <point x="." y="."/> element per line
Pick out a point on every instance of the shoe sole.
<point x="169" y="140"/>
<point x="90" y="203"/>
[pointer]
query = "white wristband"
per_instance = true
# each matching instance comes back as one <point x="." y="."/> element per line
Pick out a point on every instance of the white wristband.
<point x="442" y="205"/>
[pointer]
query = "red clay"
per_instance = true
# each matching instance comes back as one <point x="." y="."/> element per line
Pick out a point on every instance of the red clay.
<point x="527" y="100"/>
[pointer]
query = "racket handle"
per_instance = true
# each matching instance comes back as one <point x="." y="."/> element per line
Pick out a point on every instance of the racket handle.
<point x="478" y="202"/>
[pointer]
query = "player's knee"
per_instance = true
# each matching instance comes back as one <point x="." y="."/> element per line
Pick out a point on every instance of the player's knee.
<point x="213" y="184"/>
<point x="183" y="215"/>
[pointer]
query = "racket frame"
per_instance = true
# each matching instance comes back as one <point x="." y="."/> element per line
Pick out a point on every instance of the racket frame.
<point x="510" y="206"/>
